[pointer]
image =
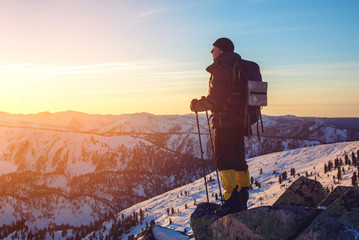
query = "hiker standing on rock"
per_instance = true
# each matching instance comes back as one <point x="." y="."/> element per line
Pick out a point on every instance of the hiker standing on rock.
<point x="229" y="126"/>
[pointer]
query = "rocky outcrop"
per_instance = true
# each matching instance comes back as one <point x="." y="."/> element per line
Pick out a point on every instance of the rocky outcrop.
<point x="304" y="211"/>
<point x="339" y="221"/>
<point x="154" y="232"/>
<point x="264" y="223"/>
<point x="303" y="192"/>
<point x="334" y="195"/>
<point x="201" y="220"/>
<point x="147" y="233"/>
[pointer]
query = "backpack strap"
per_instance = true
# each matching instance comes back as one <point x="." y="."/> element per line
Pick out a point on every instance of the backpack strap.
<point x="260" y="117"/>
<point x="247" y="116"/>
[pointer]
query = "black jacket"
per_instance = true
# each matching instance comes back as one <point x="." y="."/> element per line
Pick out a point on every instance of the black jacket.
<point x="219" y="90"/>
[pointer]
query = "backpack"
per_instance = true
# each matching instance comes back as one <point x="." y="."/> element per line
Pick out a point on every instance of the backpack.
<point x="247" y="86"/>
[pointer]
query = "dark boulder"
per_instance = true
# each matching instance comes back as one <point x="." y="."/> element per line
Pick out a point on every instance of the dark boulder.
<point x="334" y="195"/>
<point x="303" y="192"/>
<point x="339" y="221"/>
<point x="264" y="223"/>
<point x="201" y="220"/>
<point x="337" y="217"/>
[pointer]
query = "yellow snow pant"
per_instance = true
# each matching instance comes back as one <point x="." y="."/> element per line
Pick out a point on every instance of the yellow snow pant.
<point x="232" y="178"/>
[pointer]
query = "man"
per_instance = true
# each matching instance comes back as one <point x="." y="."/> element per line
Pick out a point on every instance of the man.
<point x="229" y="127"/>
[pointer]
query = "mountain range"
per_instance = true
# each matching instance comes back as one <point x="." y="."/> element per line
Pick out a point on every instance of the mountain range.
<point x="75" y="169"/>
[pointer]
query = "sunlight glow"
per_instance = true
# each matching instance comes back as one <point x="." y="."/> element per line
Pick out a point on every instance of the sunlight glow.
<point x="116" y="57"/>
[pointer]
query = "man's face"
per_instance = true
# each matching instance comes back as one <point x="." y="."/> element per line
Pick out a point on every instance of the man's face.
<point x="216" y="52"/>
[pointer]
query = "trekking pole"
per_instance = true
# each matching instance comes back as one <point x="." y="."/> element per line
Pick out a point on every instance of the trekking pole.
<point x="210" y="137"/>
<point x="200" y="144"/>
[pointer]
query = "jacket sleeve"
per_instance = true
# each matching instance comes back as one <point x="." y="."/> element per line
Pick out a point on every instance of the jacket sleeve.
<point x="217" y="90"/>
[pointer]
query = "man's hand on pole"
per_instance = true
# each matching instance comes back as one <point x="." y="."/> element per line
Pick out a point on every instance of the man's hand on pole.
<point x="193" y="105"/>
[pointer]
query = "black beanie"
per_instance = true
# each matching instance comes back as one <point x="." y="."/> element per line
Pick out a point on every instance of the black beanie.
<point x="224" y="44"/>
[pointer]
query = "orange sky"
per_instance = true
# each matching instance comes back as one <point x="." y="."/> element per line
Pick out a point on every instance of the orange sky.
<point x="113" y="57"/>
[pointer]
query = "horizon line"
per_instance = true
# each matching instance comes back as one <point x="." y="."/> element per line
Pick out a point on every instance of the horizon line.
<point x="44" y="113"/>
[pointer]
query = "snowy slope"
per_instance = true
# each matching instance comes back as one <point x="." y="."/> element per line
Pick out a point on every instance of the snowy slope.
<point x="74" y="143"/>
<point x="110" y="162"/>
<point x="309" y="159"/>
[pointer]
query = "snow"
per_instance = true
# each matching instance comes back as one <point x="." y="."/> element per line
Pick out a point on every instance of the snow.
<point x="49" y="147"/>
<point x="58" y="181"/>
<point x="7" y="167"/>
<point x="139" y="190"/>
<point x="80" y="167"/>
<point x="80" y="142"/>
<point x="309" y="159"/>
<point x="167" y="234"/>
<point x="7" y="211"/>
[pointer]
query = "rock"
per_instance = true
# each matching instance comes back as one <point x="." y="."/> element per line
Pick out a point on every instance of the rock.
<point x="339" y="221"/>
<point x="264" y="223"/>
<point x="285" y="219"/>
<point x="163" y="233"/>
<point x="155" y="232"/>
<point x="146" y="234"/>
<point x="334" y="195"/>
<point x="303" y="192"/>
<point x="201" y="220"/>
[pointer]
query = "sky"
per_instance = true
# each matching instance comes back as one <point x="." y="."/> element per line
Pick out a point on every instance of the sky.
<point x="115" y="56"/>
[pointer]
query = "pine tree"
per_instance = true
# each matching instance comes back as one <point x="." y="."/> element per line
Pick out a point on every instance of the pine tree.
<point x="330" y="165"/>
<point x="336" y="163"/>
<point x="64" y="233"/>
<point x="354" y="159"/>
<point x="142" y="215"/>
<point x="347" y="161"/>
<point x="284" y="176"/>
<point x="339" y="175"/>
<point x="354" y="179"/>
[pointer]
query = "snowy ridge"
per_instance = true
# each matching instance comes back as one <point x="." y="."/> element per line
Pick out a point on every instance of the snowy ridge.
<point x="70" y="157"/>
<point x="309" y="159"/>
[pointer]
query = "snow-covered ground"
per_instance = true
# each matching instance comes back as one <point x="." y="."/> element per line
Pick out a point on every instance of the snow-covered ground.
<point x="309" y="159"/>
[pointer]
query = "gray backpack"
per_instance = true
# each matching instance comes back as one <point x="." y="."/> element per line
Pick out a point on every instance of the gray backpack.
<point x="247" y="77"/>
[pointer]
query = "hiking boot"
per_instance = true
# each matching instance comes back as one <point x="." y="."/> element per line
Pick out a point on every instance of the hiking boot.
<point x="224" y="210"/>
<point x="243" y="196"/>
<point x="236" y="203"/>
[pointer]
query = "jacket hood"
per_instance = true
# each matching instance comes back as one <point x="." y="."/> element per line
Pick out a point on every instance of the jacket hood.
<point x="227" y="58"/>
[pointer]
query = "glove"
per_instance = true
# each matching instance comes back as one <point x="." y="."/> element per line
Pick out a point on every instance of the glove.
<point x="193" y="105"/>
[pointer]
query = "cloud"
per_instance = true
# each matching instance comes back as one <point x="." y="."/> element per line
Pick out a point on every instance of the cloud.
<point x="10" y="67"/>
<point x="156" y="11"/>
<point x="152" y="12"/>
<point x="274" y="30"/>
<point x="155" y="70"/>
<point x="315" y="69"/>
